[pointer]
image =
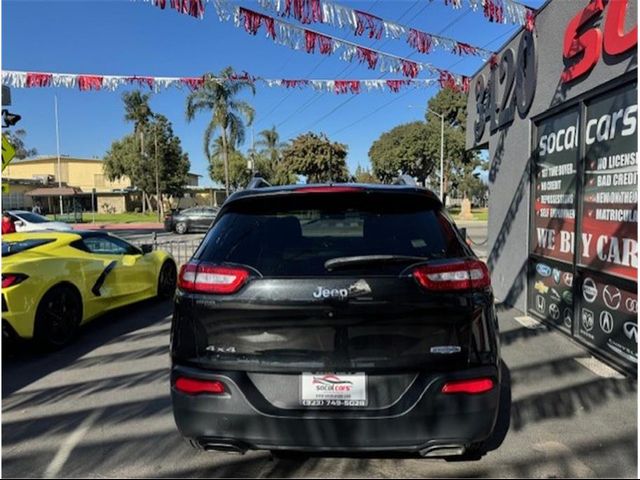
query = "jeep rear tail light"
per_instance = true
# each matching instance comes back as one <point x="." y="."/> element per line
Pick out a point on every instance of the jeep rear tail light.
<point x="471" y="387"/>
<point x="194" y="386"/>
<point x="460" y="275"/>
<point x="11" y="279"/>
<point x="205" y="278"/>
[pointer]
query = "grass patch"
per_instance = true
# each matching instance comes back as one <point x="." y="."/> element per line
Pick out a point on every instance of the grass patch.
<point x="87" y="217"/>
<point x="479" y="214"/>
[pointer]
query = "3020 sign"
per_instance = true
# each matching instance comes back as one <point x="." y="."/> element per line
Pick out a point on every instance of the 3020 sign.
<point x="511" y="86"/>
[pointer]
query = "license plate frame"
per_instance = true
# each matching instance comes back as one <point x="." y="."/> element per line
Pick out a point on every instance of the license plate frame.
<point x="334" y="390"/>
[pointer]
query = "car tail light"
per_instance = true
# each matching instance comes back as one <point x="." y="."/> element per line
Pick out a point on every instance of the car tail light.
<point x="328" y="189"/>
<point x="465" y="275"/>
<point x="472" y="387"/>
<point x="11" y="279"/>
<point x="193" y="386"/>
<point x="203" y="278"/>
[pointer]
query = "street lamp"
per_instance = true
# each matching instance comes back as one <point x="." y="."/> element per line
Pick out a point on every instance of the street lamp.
<point x="441" y="149"/>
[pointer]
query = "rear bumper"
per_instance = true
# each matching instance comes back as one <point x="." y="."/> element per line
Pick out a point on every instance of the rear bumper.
<point x="431" y="419"/>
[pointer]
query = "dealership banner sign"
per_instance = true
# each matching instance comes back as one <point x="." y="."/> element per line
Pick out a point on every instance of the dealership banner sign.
<point x="584" y="189"/>
<point x="609" y="240"/>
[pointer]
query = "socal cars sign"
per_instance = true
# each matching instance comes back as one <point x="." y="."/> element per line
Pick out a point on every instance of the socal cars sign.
<point x="585" y="44"/>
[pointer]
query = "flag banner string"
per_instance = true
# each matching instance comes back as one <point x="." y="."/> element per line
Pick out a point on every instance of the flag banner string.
<point x="93" y="82"/>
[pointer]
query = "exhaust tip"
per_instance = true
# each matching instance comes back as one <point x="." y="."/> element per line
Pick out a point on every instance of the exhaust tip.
<point x="223" y="447"/>
<point x="442" y="451"/>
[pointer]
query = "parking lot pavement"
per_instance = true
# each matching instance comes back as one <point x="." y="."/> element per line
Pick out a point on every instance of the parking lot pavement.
<point x="101" y="408"/>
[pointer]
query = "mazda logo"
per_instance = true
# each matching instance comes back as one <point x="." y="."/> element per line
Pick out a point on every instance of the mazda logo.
<point x="612" y="297"/>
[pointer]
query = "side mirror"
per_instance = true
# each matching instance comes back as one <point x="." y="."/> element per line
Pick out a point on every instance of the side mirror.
<point x="146" y="248"/>
<point x="19" y="223"/>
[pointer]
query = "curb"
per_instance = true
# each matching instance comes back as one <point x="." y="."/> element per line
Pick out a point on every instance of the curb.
<point x="118" y="226"/>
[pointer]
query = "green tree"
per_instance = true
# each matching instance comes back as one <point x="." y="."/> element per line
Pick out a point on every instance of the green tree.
<point x="317" y="158"/>
<point x="162" y="167"/>
<point x="218" y="95"/>
<point x="138" y="111"/>
<point x="16" y="138"/>
<point x="459" y="164"/>
<point x="271" y="145"/>
<point x="405" y="150"/>
<point x="363" y="175"/>
<point x="238" y="173"/>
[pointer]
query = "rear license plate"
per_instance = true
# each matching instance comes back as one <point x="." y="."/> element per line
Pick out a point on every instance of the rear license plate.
<point x="333" y="390"/>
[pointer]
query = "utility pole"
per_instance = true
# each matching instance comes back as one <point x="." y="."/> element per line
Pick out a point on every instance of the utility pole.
<point x="55" y="100"/>
<point x="158" y="201"/>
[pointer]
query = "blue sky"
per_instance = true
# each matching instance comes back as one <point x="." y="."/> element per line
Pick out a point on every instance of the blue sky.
<point x="123" y="37"/>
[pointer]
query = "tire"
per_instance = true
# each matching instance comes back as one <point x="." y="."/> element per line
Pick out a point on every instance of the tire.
<point x="167" y="280"/>
<point x="182" y="228"/>
<point x="58" y="318"/>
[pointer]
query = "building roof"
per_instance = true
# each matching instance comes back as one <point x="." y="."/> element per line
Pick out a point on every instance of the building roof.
<point x="39" y="158"/>
<point x="54" y="192"/>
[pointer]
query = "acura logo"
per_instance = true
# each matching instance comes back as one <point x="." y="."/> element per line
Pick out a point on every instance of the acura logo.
<point x="606" y="322"/>
<point x="631" y="331"/>
<point x="612" y="297"/>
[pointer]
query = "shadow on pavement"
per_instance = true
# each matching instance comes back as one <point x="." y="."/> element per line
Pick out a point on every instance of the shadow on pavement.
<point x="24" y="364"/>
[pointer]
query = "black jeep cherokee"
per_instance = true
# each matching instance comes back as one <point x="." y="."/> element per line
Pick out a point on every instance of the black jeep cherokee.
<point x="335" y="318"/>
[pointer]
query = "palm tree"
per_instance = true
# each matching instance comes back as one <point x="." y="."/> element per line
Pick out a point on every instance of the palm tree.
<point x="218" y="95"/>
<point x="271" y="144"/>
<point x="137" y="110"/>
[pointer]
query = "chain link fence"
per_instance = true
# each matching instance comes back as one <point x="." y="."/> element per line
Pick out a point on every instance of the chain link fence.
<point x="180" y="250"/>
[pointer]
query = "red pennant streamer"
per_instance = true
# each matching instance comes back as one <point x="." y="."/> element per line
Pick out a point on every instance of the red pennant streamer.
<point x="244" y="76"/>
<point x="369" y="56"/>
<point x="395" y="85"/>
<point x="196" y="8"/>
<point x="39" y="79"/>
<point x="421" y="41"/>
<point x="493" y="60"/>
<point x="494" y="11"/>
<point x="253" y="21"/>
<point x="346" y="86"/>
<point x="447" y="80"/>
<point x="89" y="82"/>
<point x="305" y="11"/>
<point x="409" y="69"/>
<point x="193" y="83"/>
<point x="365" y="21"/>
<point x="148" y="81"/>
<point x="530" y="20"/>
<point x="325" y="44"/>
<point x="455" y="3"/>
<point x="160" y="3"/>
<point x="462" y="48"/>
<point x="466" y="84"/>
<point x="294" y="83"/>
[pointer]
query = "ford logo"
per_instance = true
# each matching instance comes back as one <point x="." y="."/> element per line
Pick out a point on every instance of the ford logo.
<point x="543" y="270"/>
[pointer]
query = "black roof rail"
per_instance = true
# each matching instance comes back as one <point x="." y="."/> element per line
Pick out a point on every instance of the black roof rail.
<point x="258" y="182"/>
<point x="404" y="180"/>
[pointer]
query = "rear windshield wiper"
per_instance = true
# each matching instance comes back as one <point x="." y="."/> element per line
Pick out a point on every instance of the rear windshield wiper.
<point x="342" y="262"/>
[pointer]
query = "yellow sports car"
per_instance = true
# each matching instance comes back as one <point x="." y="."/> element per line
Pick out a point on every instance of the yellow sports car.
<point x="52" y="282"/>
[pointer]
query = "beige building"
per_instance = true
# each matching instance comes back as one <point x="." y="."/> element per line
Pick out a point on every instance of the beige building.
<point x="84" y="173"/>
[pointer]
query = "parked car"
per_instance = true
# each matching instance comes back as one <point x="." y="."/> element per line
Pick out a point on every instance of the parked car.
<point x="196" y="219"/>
<point x="52" y="282"/>
<point x="336" y="318"/>
<point x="32" y="222"/>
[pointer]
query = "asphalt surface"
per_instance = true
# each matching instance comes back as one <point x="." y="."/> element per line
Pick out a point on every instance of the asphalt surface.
<point x="101" y="408"/>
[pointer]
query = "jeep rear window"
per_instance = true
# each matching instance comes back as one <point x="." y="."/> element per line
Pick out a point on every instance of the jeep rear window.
<point x="295" y="234"/>
<point x="11" y="248"/>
